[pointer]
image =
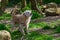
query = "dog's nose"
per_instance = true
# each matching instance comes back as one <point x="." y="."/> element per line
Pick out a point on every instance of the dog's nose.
<point x="31" y="14"/>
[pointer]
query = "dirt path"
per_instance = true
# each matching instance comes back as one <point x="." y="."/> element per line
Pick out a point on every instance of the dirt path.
<point x="47" y="19"/>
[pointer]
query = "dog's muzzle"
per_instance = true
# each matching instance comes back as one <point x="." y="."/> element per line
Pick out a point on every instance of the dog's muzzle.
<point x="31" y="14"/>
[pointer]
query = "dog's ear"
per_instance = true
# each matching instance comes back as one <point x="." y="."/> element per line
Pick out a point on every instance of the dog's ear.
<point x="24" y="14"/>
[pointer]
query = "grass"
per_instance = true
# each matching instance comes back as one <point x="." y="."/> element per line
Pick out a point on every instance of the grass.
<point x="36" y="15"/>
<point x="32" y="36"/>
<point x="5" y="16"/>
<point x="36" y="36"/>
<point x="57" y="30"/>
<point x="38" y="25"/>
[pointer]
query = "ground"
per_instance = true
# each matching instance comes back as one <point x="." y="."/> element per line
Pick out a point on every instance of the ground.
<point x="40" y="29"/>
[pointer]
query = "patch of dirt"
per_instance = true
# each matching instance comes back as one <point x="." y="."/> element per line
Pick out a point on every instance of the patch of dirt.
<point x="47" y="19"/>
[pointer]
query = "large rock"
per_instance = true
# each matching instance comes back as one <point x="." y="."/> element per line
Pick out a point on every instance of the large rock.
<point x="5" y="35"/>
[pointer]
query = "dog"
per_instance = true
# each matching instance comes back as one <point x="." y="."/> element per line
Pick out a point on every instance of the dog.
<point x="22" y="20"/>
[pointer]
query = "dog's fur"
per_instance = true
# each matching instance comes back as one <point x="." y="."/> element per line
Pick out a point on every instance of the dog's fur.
<point x="5" y="35"/>
<point x="22" y="20"/>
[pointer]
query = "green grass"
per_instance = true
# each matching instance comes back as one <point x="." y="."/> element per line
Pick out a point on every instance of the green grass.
<point x="38" y="25"/>
<point x="36" y="15"/>
<point x="57" y="30"/>
<point x="5" y="16"/>
<point x="31" y="36"/>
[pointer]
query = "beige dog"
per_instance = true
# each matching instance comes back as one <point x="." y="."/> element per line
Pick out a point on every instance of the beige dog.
<point x="22" y="20"/>
<point x="5" y="35"/>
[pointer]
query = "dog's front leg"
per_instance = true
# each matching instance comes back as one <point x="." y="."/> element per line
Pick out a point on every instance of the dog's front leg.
<point x="21" y="29"/>
<point x="27" y="30"/>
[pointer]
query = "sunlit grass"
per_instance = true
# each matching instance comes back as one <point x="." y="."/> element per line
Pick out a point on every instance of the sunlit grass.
<point x="5" y="16"/>
<point x="38" y="25"/>
<point x="31" y="36"/>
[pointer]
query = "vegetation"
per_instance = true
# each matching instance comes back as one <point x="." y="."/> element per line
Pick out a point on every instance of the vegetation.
<point x="33" y="35"/>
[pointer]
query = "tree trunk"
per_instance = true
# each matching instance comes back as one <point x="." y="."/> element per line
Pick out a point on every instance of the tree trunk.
<point x="34" y="6"/>
<point x="40" y="2"/>
<point x="3" y="6"/>
<point x="23" y="4"/>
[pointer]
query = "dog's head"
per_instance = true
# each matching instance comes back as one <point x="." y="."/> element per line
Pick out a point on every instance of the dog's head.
<point x="27" y="13"/>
